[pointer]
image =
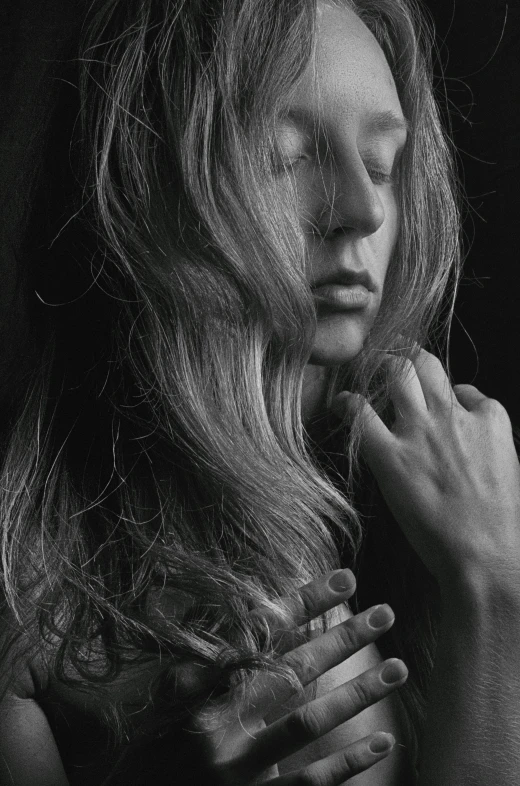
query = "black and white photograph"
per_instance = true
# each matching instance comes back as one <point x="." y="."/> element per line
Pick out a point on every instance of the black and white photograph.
<point x="259" y="404"/>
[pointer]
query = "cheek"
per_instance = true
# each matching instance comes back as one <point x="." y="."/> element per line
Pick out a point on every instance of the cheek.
<point x="393" y="218"/>
<point x="388" y="234"/>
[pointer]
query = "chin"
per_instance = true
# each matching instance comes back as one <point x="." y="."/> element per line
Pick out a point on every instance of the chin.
<point x="338" y="340"/>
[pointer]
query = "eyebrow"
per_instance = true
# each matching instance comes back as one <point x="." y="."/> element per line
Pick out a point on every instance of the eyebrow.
<point x="377" y="123"/>
<point x="383" y="122"/>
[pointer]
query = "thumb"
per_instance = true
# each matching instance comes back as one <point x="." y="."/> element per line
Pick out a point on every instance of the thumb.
<point x="347" y="405"/>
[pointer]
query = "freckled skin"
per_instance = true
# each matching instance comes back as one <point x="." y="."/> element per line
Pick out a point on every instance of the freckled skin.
<point x="349" y="81"/>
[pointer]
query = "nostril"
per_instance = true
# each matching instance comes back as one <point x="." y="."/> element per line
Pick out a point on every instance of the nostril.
<point x="337" y="233"/>
<point x="343" y="230"/>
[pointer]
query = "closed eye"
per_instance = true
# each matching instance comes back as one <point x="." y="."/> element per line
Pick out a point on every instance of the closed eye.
<point x="287" y="165"/>
<point x="381" y="178"/>
<point x="293" y="160"/>
<point x="383" y="170"/>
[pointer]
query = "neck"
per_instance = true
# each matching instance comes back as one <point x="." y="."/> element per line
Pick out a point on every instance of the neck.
<point x="314" y="390"/>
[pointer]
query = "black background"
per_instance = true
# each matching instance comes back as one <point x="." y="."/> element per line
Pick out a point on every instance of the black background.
<point x="479" y="42"/>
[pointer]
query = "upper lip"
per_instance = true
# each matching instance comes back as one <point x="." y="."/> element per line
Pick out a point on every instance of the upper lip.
<point x="347" y="278"/>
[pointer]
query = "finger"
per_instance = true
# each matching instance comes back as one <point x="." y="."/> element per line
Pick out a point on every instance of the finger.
<point x="377" y="441"/>
<point x="434" y="381"/>
<point x="193" y="680"/>
<point x="315" y="657"/>
<point x="307" y="603"/>
<point x="316" y="718"/>
<point x="469" y="396"/>
<point x="407" y="347"/>
<point x="406" y="391"/>
<point x="338" y="767"/>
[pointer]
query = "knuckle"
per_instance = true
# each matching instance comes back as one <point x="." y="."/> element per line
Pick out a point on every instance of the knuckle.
<point x="401" y="365"/>
<point x="265" y="620"/>
<point x="388" y="359"/>
<point x="346" y="764"/>
<point x="302" y="663"/>
<point x="304" y="724"/>
<point x="406" y="363"/>
<point x="352" y="762"/>
<point x="404" y="370"/>
<point x="434" y="361"/>
<point x="350" y="634"/>
<point x="362" y="693"/>
<point x="494" y="409"/>
<point x="309" y="777"/>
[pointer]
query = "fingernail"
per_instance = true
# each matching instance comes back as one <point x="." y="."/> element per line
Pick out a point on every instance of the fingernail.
<point x="394" y="671"/>
<point x="340" y="404"/>
<point x="342" y="581"/>
<point x="381" y="743"/>
<point x="381" y="616"/>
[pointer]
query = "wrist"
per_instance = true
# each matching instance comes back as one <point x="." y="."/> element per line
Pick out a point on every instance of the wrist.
<point x="468" y="588"/>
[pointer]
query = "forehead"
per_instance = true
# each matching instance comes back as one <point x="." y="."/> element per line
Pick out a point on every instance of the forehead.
<point x="348" y="81"/>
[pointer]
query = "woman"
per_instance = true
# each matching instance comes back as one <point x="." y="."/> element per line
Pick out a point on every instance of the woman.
<point x="251" y="215"/>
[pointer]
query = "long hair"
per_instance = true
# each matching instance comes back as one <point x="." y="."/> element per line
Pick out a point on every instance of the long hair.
<point x="156" y="444"/>
<point x="416" y="310"/>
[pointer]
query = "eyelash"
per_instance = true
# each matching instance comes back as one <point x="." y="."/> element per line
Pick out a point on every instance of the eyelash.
<point x="381" y="178"/>
<point x="291" y="162"/>
<point x="376" y="175"/>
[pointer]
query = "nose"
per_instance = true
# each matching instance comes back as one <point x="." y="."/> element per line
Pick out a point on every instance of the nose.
<point x="351" y="204"/>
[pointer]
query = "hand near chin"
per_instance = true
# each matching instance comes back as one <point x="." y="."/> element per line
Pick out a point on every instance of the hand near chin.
<point x="448" y="470"/>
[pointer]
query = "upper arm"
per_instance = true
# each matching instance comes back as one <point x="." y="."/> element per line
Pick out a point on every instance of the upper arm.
<point x="28" y="751"/>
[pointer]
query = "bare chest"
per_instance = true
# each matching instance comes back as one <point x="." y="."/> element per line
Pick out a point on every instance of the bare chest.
<point x="84" y="725"/>
<point x="386" y="715"/>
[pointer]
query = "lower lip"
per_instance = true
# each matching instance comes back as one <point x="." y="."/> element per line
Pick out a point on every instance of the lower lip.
<point x="340" y="297"/>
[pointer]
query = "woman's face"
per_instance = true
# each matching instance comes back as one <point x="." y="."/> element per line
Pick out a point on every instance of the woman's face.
<point x="342" y="139"/>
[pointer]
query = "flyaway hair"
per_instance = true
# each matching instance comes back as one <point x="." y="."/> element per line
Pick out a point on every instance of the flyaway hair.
<point x="156" y="444"/>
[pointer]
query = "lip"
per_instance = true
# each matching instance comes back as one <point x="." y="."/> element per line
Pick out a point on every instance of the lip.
<point x="342" y="297"/>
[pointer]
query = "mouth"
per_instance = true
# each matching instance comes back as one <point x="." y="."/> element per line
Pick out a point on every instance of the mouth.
<point x="344" y="291"/>
<point x="340" y="297"/>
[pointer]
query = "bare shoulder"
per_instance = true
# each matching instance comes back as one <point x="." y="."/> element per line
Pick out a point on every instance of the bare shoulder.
<point x="63" y="729"/>
<point x="28" y="751"/>
<point x="20" y="671"/>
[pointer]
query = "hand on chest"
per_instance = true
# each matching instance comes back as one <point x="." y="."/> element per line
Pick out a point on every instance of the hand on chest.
<point x="386" y="715"/>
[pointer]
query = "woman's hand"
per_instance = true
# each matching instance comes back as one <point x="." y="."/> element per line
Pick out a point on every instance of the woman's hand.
<point x="448" y="470"/>
<point x="245" y="750"/>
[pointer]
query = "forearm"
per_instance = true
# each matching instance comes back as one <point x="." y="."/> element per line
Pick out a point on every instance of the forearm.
<point x="472" y="733"/>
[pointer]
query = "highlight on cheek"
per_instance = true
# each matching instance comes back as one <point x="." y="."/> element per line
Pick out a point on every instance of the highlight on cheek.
<point x="157" y="436"/>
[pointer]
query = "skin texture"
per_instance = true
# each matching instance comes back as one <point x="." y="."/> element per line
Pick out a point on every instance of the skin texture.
<point x="341" y="165"/>
<point x="449" y="471"/>
<point x="53" y="733"/>
<point x="335" y="156"/>
<point x="239" y="749"/>
<point x="447" y="468"/>
<point x="356" y="213"/>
